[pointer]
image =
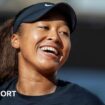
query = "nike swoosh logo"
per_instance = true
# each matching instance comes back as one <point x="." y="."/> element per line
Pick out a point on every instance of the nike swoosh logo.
<point x="47" y="5"/>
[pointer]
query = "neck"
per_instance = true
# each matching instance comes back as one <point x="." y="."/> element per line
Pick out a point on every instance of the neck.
<point x="32" y="87"/>
<point x="32" y="83"/>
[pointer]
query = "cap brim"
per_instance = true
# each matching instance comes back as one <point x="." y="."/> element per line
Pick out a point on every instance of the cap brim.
<point x="64" y="8"/>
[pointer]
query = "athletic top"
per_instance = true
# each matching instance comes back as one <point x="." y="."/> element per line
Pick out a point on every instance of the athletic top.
<point x="67" y="93"/>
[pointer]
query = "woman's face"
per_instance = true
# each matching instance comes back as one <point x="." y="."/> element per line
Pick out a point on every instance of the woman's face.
<point x="45" y="44"/>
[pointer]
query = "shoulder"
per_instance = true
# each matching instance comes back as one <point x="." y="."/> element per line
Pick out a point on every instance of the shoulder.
<point x="7" y="84"/>
<point x="79" y="94"/>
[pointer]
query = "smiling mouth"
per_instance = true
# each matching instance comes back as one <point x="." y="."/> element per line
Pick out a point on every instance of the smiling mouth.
<point x="50" y="50"/>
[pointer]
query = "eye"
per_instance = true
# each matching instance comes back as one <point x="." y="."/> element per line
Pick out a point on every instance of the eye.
<point x="64" y="33"/>
<point x="44" y="27"/>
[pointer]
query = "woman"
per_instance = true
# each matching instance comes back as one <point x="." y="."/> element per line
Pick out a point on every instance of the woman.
<point x="33" y="47"/>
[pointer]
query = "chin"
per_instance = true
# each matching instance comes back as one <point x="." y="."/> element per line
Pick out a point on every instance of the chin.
<point x="49" y="67"/>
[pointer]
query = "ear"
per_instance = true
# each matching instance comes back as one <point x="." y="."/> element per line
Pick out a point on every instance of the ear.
<point x="15" y="41"/>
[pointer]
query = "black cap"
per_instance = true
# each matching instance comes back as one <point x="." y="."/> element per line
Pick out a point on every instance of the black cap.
<point x="35" y="12"/>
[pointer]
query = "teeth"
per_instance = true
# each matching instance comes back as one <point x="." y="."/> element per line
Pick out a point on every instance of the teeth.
<point x="49" y="49"/>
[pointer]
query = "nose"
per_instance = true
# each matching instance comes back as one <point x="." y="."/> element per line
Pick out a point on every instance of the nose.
<point x="54" y="36"/>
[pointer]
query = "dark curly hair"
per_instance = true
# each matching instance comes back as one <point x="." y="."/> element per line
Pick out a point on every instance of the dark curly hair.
<point x="8" y="55"/>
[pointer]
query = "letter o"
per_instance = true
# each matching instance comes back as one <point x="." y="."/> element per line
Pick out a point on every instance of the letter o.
<point x="3" y="93"/>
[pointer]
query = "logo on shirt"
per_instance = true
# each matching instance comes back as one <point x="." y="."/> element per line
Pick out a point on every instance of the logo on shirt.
<point x="8" y="93"/>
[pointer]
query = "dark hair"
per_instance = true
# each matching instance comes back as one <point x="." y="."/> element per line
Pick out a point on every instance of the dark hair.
<point x="8" y="55"/>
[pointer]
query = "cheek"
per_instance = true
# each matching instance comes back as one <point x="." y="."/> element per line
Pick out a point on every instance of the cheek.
<point x="29" y="42"/>
<point x="66" y="49"/>
<point x="32" y="38"/>
<point x="67" y="45"/>
<point x="30" y="33"/>
<point x="36" y="36"/>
